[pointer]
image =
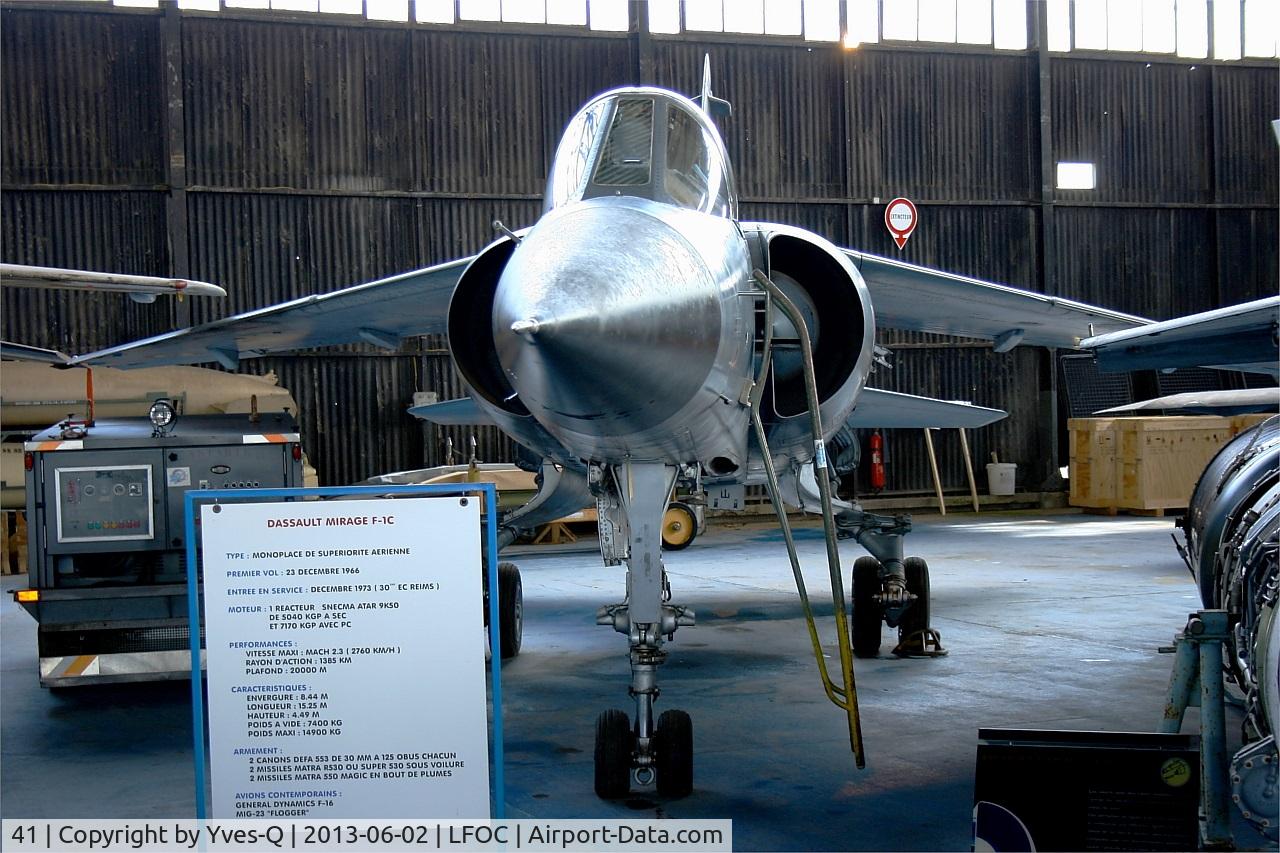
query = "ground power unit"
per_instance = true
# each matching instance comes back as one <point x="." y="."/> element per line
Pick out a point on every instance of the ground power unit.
<point x="108" y="572"/>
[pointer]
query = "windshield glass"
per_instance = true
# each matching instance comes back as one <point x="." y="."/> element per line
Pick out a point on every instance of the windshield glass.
<point x="627" y="159"/>
<point x="644" y="143"/>
<point x="568" y="177"/>
<point x="692" y="177"/>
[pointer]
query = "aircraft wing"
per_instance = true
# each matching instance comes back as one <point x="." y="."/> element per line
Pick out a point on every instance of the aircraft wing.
<point x="460" y="412"/>
<point x="143" y="288"/>
<point x="1230" y="402"/>
<point x="1239" y="337"/>
<point x="378" y="312"/>
<point x="920" y="299"/>
<point x="22" y="352"/>
<point x="891" y="410"/>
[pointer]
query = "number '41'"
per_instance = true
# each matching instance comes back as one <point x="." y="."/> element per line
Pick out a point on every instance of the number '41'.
<point x="23" y="834"/>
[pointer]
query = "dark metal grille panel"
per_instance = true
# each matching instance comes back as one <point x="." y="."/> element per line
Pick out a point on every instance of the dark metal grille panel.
<point x="481" y="94"/>
<point x="1189" y="379"/>
<point x="296" y="245"/>
<point x="288" y="105"/>
<point x="994" y="243"/>
<point x="1089" y="390"/>
<point x="116" y="641"/>
<point x="826" y="220"/>
<point x="1248" y="260"/>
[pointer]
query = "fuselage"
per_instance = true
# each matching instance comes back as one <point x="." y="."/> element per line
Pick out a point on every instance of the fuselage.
<point x="624" y="324"/>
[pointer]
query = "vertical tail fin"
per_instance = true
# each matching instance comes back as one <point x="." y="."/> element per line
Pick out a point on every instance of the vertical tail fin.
<point x="711" y="105"/>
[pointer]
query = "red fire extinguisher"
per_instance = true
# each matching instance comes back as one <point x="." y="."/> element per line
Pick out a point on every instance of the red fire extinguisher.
<point x="876" y="443"/>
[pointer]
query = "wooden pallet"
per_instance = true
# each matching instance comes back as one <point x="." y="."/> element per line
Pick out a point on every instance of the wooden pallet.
<point x="13" y="542"/>
<point x="1155" y="512"/>
<point x="562" y="530"/>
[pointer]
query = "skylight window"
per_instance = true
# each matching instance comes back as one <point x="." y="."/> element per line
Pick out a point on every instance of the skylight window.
<point x="1242" y="29"/>
<point x="608" y="15"/>
<point x="1077" y="176"/>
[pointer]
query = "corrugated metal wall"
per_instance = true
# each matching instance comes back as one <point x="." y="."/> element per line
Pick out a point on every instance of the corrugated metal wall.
<point x="319" y="153"/>
<point x="82" y="100"/>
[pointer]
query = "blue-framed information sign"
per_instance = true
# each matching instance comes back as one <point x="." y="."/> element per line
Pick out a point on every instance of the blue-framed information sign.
<point x="343" y="652"/>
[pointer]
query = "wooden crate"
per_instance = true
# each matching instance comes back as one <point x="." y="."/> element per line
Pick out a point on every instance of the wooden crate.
<point x="1160" y="459"/>
<point x="1143" y="464"/>
<point x="13" y="542"/>
<point x="1093" y="462"/>
<point x="1240" y="423"/>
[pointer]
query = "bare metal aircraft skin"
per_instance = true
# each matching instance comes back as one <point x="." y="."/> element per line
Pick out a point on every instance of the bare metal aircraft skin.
<point x="630" y="337"/>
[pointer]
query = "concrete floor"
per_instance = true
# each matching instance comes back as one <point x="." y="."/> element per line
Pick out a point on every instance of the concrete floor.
<point x="1052" y="622"/>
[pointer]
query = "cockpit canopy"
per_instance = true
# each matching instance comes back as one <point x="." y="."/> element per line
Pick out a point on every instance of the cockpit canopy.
<point x="647" y="143"/>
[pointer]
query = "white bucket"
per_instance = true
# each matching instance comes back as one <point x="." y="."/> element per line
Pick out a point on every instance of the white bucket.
<point x="1000" y="476"/>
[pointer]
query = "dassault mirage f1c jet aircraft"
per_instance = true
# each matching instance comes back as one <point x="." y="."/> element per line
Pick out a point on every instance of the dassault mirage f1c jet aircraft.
<point x="640" y="334"/>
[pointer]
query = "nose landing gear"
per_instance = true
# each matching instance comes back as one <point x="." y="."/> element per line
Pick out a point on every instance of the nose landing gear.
<point x="647" y="750"/>
<point x="620" y="754"/>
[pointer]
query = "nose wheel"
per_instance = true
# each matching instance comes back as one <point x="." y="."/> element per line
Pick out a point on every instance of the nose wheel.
<point x="615" y="744"/>
<point x="665" y="758"/>
<point x="673" y="754"/>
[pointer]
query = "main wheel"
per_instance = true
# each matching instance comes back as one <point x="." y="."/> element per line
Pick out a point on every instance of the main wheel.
<point x="673" y="754"/>
<point x="916" y="617"/>
<point x="613" y="754"/>
<point x="679" y="527"/>
<point x="865" y="626"/>
<point x="510" y="609"/>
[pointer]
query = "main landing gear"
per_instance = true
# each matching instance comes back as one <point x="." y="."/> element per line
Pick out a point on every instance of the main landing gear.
<point x="510" y="609"/>
<point x="631" y="527"/>
<point x="888" y="588"/>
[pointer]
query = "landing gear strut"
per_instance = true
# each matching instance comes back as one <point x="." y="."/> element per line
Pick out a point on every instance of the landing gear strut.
<point x="631" y="519"/>
<point x="887" y="587"/>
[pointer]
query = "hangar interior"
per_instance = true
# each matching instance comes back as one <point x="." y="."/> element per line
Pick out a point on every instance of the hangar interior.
<point x="287" y="155"/>
<point x="286" y="149"/>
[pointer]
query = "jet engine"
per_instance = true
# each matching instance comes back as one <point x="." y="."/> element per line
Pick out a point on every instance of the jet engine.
<point x="474" y="354"/>
<point x="832" y="297"/>
<point x="1232" y="535"/>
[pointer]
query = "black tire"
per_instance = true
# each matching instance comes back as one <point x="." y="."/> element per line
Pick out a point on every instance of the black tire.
<point x="916" y="617"/>
<point x="679" y="527"/>
<point x="864" y="628"/>
<point x="673" y="754"/>
<point x="510" y="609"/>
<point x="613" y="754"/>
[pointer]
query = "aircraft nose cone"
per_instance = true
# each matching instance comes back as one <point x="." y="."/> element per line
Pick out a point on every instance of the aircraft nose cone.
<point x="606" y="320"/>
